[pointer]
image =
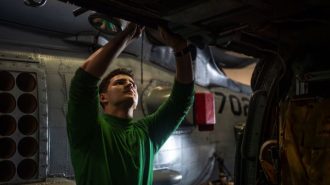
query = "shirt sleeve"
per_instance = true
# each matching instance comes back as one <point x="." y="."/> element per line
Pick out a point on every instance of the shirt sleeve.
<point x="83" y="109"/>
<point x="170" y="114"/>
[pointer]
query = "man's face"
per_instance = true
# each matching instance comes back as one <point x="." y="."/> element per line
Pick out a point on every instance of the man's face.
<point x="121" y="90"/>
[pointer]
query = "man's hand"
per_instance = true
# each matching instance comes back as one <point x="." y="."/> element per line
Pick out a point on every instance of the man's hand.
<point x="173" y="40"/>
<point x="184" y="71"/>
<point x="133" y="30"/>
<point x="99" y="61"/>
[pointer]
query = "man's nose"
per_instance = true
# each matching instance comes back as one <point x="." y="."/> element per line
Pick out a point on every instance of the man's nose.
<point x="130" y="85"/>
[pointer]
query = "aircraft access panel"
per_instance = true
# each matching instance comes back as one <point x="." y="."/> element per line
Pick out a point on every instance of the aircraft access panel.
<point x="23" y="128"/>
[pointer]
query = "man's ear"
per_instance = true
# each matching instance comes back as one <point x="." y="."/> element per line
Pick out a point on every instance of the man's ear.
<point x="103" y="98"/>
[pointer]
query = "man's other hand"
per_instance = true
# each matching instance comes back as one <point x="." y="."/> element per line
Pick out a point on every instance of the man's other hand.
<point x="173" y="40"/>
<point x="133" y="30"/>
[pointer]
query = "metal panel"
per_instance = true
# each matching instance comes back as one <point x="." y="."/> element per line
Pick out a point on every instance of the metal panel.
<point x="30" y="137"/>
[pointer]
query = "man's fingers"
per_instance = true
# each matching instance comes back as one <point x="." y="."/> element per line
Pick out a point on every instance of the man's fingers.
<point x="138" y="31"/>
<point x="134" y="30"/>
<point x="163" y="33"/>
<point x="171" y="39"/>
<point x="140" y="27"/>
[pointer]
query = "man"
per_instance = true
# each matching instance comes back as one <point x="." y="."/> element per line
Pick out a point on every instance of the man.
<point x="111" y="148"/>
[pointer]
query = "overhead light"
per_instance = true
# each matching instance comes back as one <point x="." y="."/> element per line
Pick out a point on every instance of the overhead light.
<point x="107" y="25"/>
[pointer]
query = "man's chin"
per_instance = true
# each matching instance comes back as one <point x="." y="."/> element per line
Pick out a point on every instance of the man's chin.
<point x="129" y="102"/>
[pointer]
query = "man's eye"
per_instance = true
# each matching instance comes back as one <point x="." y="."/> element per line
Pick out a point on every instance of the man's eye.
<point x="120" y="82"/>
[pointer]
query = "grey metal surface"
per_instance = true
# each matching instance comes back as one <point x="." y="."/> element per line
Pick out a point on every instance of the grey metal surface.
<point x="55" y="17"/>
<point x="207" y="72"/>
<point x="166" y="177"/>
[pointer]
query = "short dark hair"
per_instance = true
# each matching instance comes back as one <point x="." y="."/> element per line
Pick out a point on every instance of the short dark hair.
<point x="106" y="80"/>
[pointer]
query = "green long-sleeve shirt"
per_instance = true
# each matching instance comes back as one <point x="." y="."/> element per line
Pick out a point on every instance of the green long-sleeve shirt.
<point x="107" y="150"/>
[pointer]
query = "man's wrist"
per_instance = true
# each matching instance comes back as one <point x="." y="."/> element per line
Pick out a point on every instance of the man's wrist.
<point x="184" y="51"/>
<point x="180" y="46"/>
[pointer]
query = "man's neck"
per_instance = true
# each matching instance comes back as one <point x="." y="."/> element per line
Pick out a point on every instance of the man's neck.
<point x="119" y="112"/>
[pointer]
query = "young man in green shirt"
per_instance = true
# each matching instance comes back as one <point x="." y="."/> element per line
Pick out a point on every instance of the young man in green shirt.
<point x="111" y="148"/>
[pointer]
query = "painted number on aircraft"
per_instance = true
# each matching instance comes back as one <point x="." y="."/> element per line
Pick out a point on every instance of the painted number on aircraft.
<point x="223" y="101"/>
<point x="235" y="104"/>
<point x="245" y="101"/>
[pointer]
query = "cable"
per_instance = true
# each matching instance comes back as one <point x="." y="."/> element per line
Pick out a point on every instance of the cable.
<point x="142" y="56"/>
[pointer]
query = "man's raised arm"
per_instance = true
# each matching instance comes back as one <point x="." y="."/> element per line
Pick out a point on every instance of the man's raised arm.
<point x="172" y="112"/>
<point x="99" y="61"/>
<point x="184" y="71"/>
